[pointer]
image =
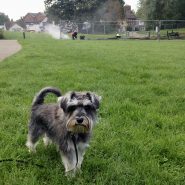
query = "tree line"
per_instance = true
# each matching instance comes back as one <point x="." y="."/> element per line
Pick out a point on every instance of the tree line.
<point x="161" y="9"/>
<point x="3" y="18"/>
<point x="83" y="10"/>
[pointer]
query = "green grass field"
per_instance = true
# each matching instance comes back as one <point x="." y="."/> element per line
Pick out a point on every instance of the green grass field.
<point x="140" y="138"/>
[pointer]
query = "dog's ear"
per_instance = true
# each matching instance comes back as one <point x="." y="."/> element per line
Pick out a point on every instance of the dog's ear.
<point x="95" y="99"/>
<point x="72" y="95"/>
<point x="62" y="102"/>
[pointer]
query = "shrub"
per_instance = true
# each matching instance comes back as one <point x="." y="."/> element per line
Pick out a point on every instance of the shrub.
<point x="1" y="34"/>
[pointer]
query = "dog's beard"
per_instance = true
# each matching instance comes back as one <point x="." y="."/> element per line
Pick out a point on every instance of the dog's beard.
<point x="74" y="127"/>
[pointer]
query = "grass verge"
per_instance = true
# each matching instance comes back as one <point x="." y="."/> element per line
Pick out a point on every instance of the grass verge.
<point x="140" y="138"/>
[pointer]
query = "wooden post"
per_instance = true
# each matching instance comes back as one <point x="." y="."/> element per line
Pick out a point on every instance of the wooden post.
<point x="24" y="35"/>
<point x="149" y="34"/>
<point x="158" y="27"/>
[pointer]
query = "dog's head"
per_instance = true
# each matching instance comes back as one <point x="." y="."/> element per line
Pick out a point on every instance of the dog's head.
<point x="80" y="109"/>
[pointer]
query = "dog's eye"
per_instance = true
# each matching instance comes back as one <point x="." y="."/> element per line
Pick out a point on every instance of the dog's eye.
<point x="88" y="107"/>
<point x="71" y="108"/>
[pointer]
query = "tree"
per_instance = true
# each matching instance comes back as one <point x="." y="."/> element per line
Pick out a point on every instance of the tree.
<point x="141" y="12"/>
<point x="72" y="9"/>
<point x="80" y="10"/>
<point x="161" y="9"/>
<point x="111" y="10"/>
<point x="3" y="18"/>
<point x="179" y="9"/>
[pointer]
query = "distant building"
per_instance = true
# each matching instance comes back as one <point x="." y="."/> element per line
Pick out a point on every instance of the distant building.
<point x="129" y="14"/>
<point x="2" y="27"/>
<point x="14" y="26"/>
<point x="130" y="18"/>
<point x="141" y="25"/>
<point x="35" y="21"/>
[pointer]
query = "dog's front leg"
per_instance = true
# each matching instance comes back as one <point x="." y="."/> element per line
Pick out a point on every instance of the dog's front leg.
<point x="69" y="161"/>
<point x="81" y="152"/>
<point x="47" y="141"/>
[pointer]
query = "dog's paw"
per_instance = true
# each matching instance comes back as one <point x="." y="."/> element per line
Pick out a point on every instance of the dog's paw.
<point x="78" y="171"/>
<point x="70" y="174"/>
<point x="31" y="147"/>
<point x="47" y="141"/>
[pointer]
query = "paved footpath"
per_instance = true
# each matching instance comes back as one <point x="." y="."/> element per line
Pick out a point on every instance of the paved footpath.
<point x="8" y="48"/>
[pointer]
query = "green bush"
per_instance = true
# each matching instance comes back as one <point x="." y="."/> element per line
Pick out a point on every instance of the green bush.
<point x="1" y="34"/>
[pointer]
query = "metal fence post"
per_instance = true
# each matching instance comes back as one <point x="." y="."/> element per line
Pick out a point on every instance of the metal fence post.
<point x="93" y="28"/>
<point x="104" y="28"/>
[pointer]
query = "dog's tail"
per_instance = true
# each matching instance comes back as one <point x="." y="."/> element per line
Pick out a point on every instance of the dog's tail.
<point x="39" y="98"/>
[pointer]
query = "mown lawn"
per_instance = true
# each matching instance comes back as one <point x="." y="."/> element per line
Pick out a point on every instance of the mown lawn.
<point x="140" y="138"/>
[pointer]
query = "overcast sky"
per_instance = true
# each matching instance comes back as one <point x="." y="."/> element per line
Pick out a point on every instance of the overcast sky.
<point x="133" y="3"/>
<point x="18" y="8"/>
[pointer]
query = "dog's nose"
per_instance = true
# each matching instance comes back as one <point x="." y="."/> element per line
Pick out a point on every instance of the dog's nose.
<point x="79" y="120"/>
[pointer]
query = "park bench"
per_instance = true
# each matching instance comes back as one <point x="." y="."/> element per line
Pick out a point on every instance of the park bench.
<point x="172" y="34"/>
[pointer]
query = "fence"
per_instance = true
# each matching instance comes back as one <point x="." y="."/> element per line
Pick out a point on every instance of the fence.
<point x="127" y="29"/>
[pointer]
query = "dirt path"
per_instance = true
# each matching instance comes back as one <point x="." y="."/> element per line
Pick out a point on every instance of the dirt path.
<point x="8" y="48"/>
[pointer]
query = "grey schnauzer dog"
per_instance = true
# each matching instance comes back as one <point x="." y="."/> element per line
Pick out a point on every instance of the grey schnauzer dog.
<point x="67" y="123"/>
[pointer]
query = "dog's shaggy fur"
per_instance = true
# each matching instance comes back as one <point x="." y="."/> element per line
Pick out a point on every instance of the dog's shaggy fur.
<point x="72" y="118"/>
